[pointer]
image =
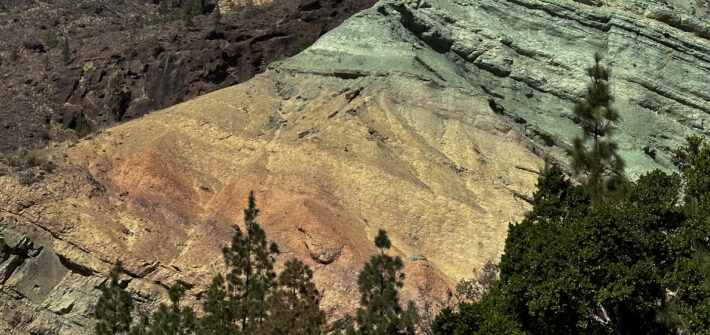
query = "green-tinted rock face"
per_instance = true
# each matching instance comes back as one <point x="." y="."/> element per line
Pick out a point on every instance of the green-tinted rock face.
<point x="529" y="57"/>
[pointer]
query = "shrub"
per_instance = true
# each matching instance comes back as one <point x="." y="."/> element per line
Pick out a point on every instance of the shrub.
<point x="81" y="126"/>
<point x="34" y="158"/>
<point x="46" y="63"/>
<point x="217" y="15"/>
<point x="66" y="53"/>
<point x="14" y="56"/>
<point x="50" y="39"/>
<point x="157" y="49"/>
<point x="190" y="9"/>
<point x="88" y="66"/>
<point x="28" y="159"/>
<point x="118" y="98"/>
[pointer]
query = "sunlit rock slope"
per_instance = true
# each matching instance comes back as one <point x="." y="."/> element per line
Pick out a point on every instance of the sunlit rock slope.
<point x="426" y="118"/>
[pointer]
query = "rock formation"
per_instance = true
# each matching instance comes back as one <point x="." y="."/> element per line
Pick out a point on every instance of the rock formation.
<point x="427" y="118"/>
<point x="161" y="61"/>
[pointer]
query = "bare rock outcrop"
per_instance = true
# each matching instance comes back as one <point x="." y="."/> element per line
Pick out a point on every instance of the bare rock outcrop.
<point x="528" y="57"/>
<point x="427" y="118"/>
<point x="159" y="60"/>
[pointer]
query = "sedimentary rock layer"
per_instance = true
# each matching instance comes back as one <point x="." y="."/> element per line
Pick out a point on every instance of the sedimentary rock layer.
<point x="425" y="118"/>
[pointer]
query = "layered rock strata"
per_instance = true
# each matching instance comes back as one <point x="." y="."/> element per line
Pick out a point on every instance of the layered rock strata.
<point x="425" y="118"/>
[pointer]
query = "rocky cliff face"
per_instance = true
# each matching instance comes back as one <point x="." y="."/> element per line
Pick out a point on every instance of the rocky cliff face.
<point x="427" y="118"/>
<point x="528" y="58"/>
<point x="160" y="61"/>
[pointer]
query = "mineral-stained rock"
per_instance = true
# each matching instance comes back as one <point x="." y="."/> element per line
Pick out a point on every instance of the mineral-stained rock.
<point x="530" y="56"/>
<point x="458" y="104"/>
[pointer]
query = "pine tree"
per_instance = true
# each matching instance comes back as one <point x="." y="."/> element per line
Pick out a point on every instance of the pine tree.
<point x="142" y="325"/>
<point x="118" y="97"/>
<point x="66" y="53"/>
<point x="293" y="309"/>
<point x="113" y="309"/>
<point x="217" y="15"/>
<point x="241" y="304"/>
<point x="173" y="320"/>
<point x="190" y="9"/>
<point x="218" y="318"/>
<point x="600" y="165"/>
<point x="378" y="283"/>
<point x="474" y="288"/>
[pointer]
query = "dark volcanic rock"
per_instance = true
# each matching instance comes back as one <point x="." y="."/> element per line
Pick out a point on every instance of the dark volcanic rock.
<point x="160" y="64"/>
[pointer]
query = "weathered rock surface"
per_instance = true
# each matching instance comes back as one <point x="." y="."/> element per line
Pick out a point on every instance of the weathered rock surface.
<point x="423" y="117"/>
<point x="529" y="56"/>
<point x="161" y="63"/>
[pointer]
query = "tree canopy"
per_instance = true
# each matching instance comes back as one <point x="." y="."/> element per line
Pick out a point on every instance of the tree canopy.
<point x="114" y="307"/>
<point x="597" y="162"/>
<point x="632" y="265"/>
<point x="378" y="283"/>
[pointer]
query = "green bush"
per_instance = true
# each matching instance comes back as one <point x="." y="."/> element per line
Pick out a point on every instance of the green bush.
<point x="88" y="66"/>
<point x="50" y="39"/>
<point x="157" y="49"/>
<point x="34" y="158"/>
<point x="14" y="56"/>
<point x="81" y="126"/>
<point x="635" y="263"/>
<point x="190" y="9"/>
<point x="28" y="159"/>
<point x="217" y="15"/>
<point x="118" y="97"/>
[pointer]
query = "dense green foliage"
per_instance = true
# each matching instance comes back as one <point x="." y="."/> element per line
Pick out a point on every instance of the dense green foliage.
<point x="190" y="9"/>
<point x="251" y="299"/>
<point x="637" y="264"/>
<point x="378" y="283"/>
<point x="118" y="96"/>
<point x="293" y="309"/>
<point x="238" y="304"/>
<point x="603" y="257"/>
<point x="187" y="11"/>
<point x="114" y="307"/>
<point x="474" y="288"/>
<point x="598" y="162"/>
<point x="173" y="319"/>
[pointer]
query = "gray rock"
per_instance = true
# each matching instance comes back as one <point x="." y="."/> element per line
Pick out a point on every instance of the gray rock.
<point x="42" y="292"/>
<point x="530" y="57"/>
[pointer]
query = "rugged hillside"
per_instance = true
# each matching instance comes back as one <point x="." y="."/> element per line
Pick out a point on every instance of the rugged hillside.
<point x="528" y="57"/>
<point x="160" y="61"/>
<point x="427" y="118"/>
